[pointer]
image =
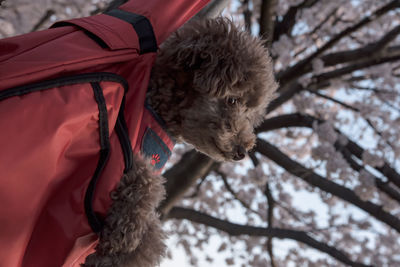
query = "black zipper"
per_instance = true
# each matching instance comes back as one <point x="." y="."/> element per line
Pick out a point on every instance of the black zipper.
<point x="126" y="146"/>
<point x="95" y="221"/>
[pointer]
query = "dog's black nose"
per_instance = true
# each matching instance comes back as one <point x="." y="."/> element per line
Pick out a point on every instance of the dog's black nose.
<point x="240" y="153"/>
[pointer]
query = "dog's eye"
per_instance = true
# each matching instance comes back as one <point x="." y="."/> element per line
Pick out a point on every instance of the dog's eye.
<point x="232" y="101"/>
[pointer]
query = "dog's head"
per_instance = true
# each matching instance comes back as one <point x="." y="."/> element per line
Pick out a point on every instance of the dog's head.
<point x="224" y="80"/>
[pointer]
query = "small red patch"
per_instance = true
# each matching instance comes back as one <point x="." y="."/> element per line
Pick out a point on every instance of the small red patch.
<point x="155" y="158"/>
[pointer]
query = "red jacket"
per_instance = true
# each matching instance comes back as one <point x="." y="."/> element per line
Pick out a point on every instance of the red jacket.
<point x="71" y="112"/>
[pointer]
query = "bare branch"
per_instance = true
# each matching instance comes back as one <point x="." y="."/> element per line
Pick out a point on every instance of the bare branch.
<point x="383" y="186"/>
<point x="247" y="14"/>
<point x="183" y="175"/>
<point x="322" y="80"/>
<point x="114" y="4"/>
<point x="213" y="9"/>
<point x="296" y="71"/>
<point x="234" y="194"/>
<point x="267" y="20"/>
<point x="334" y="100"/>
<point x="362" y="64"/>
<point x="199" y="184"/>
<point x="369" y="122"/>
<point x="301" y="120"/>
<point x="328" y="17"/>
<point x="237" y="229"/>
<point x="324" y="184"/>
<point x="285" y="26"/>
<point x="386" y="169"/>
<point x="356" y="54"/>
<point x="284" y="96"/>
<point x="43" y="20"/>
<point x="270" y="218"/>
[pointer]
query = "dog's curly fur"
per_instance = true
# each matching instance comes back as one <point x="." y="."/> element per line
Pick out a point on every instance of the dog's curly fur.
<point x="210" y="84"/>
<point x="132" y="234"/>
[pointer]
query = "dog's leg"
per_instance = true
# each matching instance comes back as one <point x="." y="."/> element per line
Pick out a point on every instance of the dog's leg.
<point x="132" y="235"/>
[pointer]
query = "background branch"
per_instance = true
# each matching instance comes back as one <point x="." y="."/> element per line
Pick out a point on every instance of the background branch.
<point x="324" y="184"/>
<point x="183" y="175"/>
<point x="285" y="26"/>
<point x="236" y="230"/>
<point x="267" y="20"/>
<point x="302" y="120"/>
<point x="293" y="72"/>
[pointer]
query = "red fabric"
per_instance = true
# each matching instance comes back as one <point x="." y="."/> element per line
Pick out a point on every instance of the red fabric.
<point x="49" y="139"/>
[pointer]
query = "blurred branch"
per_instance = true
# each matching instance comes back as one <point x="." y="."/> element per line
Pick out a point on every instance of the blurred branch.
<point x="285" y="26"/>
<point x="234" y="194"/>
<point x="43" y="19"/>
<point x="383" y="186"/>
<point x="270" y="218"/>
<point x="360" y="53"/>
<point x="183" y="175"/>
<point x="284" y="95"/>
<point x="334" y="100"/>
<point x="237" y="229"/>
<point x="288" y="90"/>
<point x="113" y="4"/>
<point x="247" y="14"/>
<point x="314" y="179"/>
<point x="213" y="9"/>
<point x="280" y="204"/>
<point x="372" y="89"/>
<point x="302" y="120"/>
<point x="325" y="20"/>
<point x="267" y="20"/>
<point x="307" y="121"/>
<point x="198" y="186"/>
<point x="386" y="169"/>
<point x="369" y="122"/>
<point x="389" y="55"/>
<point x="253" y="158"/>
<point x="296" y="71"/>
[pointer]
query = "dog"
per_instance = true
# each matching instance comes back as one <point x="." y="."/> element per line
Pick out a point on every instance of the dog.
<point x="211" y="84"/>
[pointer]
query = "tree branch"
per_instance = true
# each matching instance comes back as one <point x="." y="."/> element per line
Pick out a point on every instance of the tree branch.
<point x="369" y="122"/>
<point x="383" y="186"/>
<point x="386" y="169"/>
<point x="284" y="96"/>
<point x="324" y="184"/>
<point x="296" y="71"/>
<point x="301" y="120"/>
<point x="267" y="20"/>
<point x="183" y="175"/>
<point x="322" y="80"/>
<point x="270" y="218"/>
<point x="233" y="193"/>
<point x="212" y="10"/>
<point x="285" y="26"/>
<point x="328" y="17"/>
<point x="247" y="15"/>
<point x="362" y="64"/>
<point x="236" y="230"/>
<point x="367" y="51"/>
<point x="43" y="20"/>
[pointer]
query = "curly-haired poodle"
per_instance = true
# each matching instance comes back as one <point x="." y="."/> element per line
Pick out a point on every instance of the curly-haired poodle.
<point x="211" y="83"/>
